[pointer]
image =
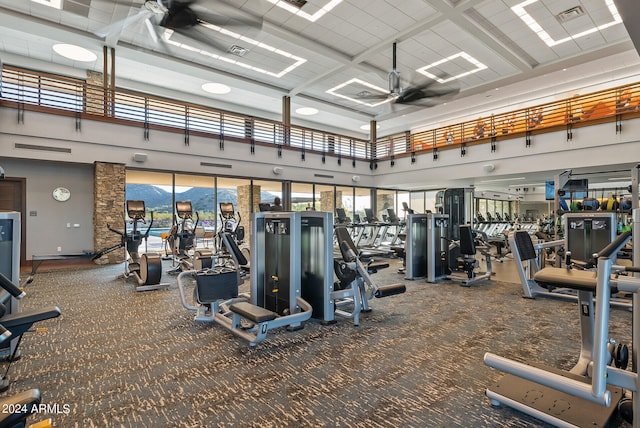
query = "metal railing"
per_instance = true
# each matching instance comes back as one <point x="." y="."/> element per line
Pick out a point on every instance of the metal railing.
<point x="33" y="90"/>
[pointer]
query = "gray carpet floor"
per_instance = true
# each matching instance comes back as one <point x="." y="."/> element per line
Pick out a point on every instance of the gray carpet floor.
<point x="118" y="358"/>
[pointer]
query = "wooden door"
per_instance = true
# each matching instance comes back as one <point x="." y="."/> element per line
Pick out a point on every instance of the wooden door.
<point x="13" y="198"/>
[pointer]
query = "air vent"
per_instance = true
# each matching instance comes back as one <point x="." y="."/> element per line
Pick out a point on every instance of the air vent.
<point x="570" y="14"/>
<point x="238" y="50"/>
<point x="215" y="165"/>
<point x="296" y="3"/>
<point x="42" y="148"/>
<point x="323" y="175"/>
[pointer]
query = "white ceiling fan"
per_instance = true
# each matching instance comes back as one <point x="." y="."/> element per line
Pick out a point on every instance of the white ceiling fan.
<point x="183" y="17"/>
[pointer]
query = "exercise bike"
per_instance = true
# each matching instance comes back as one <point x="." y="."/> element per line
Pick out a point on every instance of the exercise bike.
<point x="145" y="269"/>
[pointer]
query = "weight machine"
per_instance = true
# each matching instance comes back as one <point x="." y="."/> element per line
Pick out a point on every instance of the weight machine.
<point x="590" y="392"/>
<point x="426" y="246"/>
<point x="585" y="234"/>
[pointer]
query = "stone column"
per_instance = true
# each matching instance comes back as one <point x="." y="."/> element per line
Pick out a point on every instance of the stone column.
<point x="94" y="97"/>
<point x="385" y="200"/>
<point x="326" y="200"/>
<point x="108" y="207"/>
<point x="245" y="209"/>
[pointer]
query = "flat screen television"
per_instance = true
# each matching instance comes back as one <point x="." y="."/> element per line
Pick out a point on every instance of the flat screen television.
<point x="575" y="190"/>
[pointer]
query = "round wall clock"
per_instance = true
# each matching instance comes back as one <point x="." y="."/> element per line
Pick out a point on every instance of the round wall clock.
<point x="61" y="194"/>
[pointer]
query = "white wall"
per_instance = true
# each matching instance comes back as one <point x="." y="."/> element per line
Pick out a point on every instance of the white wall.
<point x="107" y="142"/>
<point x="51" y="224"/>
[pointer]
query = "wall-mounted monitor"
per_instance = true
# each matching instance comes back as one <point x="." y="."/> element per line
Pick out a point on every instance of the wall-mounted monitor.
<point x="574" y="189"/>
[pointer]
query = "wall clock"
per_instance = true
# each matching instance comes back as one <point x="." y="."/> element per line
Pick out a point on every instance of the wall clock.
<point x="61" y="194"/>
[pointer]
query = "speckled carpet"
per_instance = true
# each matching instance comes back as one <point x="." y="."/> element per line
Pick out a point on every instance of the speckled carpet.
<point x="121" y="358"/>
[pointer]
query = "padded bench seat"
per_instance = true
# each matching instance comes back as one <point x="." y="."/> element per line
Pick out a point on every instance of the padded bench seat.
<point x="252" y="312"/>
<point x="583" y="280"/>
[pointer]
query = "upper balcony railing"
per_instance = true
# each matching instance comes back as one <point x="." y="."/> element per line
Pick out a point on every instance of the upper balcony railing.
<point x="607" y="105"/>
<point x="38" y="91"/>
<point x="31" y="90"/>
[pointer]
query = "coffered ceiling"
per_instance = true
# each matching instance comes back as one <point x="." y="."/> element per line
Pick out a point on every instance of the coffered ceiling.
<point x="334" y="55"/>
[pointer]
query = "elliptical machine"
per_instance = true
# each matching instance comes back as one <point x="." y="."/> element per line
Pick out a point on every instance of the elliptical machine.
<point x="146" y="269"/>
<point x="231" y="222"/>
<point x="182" y="240"/>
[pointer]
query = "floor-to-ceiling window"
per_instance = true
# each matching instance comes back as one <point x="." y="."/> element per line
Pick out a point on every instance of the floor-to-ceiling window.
<point x="345" y="200"/>
<point x="302" y="196"/>
<point x="156" y="190"/>
<point x="362" y="201"/>
<point x="268" y="191"/>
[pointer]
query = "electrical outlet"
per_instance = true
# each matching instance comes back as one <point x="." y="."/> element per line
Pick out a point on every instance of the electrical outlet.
<point x="59" y="248"/>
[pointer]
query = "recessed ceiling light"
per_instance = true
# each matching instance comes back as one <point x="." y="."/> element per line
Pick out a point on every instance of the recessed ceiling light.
<point x="216" y="88"/>
<point x="298" y="11"/>
<point x="519" y="10"/>
<point x="307" y="111"/>
<point x="56" y="4"/>
<point x="74" y="52"/>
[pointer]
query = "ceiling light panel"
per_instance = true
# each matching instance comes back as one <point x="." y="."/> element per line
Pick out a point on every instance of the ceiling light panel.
<point x="540" y="17"/>
<point x="453" y="55"/>
<point x="310" y="12"/>
<point x="286" y="60"/>
<point x="56" y="4"/>
<point x="350" y="89"/>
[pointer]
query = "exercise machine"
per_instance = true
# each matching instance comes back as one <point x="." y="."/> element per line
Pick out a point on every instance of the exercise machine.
<point x="355" y="287"/>
<point x="145" y="269"/>
<point x="18" y="324"/>
<point x="586" y="234"/>
<point x="462" y="262"/>
<point x="22" y="405"/>
<point x="425" y="246"/>
<point x="10" y="229"/>
<point x="182" y="241"/>
<point x="276" y="297"/>
<point x="231" y="221"/>
<point x="599" y="383"/>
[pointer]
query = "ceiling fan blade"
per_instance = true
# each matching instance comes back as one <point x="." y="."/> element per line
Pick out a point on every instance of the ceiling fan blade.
<point x="203" y="36"/>
<point x="370" y="96"/>
<point x="117" y="27"/>
<point x="425" y="91"/>
<point x="152" y="30"/>
<point x="228" y="16"/>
